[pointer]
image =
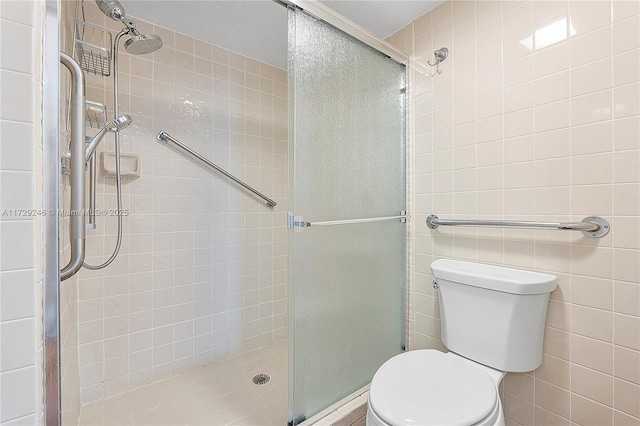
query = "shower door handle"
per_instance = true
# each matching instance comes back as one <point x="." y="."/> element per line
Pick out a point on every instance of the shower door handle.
<point x="297" y="223"/>
<point x="76" y="179"/>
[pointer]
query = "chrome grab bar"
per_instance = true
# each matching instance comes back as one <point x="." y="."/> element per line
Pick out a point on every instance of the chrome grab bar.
<point x="592" y="226"/>
<point x="77" y="163"/>
<point x="297" y="222"/>
<point x="164" y="137"/>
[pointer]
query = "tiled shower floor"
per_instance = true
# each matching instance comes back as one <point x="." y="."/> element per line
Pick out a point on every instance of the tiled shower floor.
<point x="219" y="394"/>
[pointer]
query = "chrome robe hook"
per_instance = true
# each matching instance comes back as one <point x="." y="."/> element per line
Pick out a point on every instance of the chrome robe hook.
<point x="439" y="55"/>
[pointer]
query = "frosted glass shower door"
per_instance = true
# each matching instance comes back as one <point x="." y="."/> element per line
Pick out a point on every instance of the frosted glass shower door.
<point x="347" y="154"/>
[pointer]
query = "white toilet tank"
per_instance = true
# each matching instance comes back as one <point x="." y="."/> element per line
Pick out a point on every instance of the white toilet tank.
<point x="493" y="315"/>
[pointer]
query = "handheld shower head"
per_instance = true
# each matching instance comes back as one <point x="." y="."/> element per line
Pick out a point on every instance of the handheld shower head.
<point x="116" y="125"/>
<point x="120" y="123"/>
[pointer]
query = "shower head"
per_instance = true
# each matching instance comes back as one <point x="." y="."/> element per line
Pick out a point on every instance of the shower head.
<point x="141" y="44"/>
<point x="120" y="123"/>
<point x="112" y="8"/>
<point x="116" y="125"/>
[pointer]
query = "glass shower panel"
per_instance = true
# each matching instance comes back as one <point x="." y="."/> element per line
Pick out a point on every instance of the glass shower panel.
<point x="347" y="120"/>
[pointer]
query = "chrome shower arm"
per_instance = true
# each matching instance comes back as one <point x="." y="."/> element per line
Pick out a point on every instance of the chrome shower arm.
<point x="130" y="25"/>
<point x="93" y="143"/>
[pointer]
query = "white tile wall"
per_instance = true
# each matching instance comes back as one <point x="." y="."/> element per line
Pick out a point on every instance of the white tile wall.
<point x="525" y="127"/>
<point x="20" y="276"/>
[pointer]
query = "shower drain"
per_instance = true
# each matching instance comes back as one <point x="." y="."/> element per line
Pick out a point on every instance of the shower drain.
<point x="261" y="379"/>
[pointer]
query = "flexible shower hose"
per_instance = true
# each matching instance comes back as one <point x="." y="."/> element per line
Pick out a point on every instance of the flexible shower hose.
<point x="116" y="250"/>
<point x="119" y="212"/>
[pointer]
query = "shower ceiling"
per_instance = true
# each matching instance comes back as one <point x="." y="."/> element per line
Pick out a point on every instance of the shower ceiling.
<point x="258" y="28"/>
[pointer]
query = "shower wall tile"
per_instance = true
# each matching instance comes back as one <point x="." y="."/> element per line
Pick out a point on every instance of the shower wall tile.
<point x="541" y="124"/>
<point x="201" y="274"/>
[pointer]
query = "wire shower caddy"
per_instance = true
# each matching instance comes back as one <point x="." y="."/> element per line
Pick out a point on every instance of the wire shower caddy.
<point x="96" y="115"/>
<point x="93" y="46"/>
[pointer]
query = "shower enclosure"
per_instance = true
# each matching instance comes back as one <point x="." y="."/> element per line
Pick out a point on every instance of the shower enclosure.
<point x="211" y="287"/>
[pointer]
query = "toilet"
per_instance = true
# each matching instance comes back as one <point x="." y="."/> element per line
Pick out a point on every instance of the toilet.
<point x="492" y="321"/>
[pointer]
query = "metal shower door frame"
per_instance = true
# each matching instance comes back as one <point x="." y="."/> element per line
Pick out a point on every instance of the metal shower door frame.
<point x="328" y="15"/>
<point x="50" y="204"/>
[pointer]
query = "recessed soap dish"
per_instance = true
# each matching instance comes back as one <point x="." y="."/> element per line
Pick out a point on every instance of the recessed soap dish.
<point x="129" y="164"/>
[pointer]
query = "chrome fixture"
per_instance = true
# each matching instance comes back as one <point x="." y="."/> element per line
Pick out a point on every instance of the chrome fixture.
<point x="50" y="359"/>
<point x="115" y="126"/>
<point x="77" y="165"/>
<point x="93" y="46"/>
<point x="261" y="379"/>
<point x="112" y="8"/>
<point x="439" y="56"/>
<point x="141" y="44"/>
<point x="592" y="226"/>
<point x="137" y="44"/>
<point x="164" y="137"/>
<point x="96" y="115"/>
<point x="297" y="222"/>
<point x="321" y="11"/>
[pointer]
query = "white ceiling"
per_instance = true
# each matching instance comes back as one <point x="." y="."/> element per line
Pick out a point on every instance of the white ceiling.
<point x="258" y="28"/>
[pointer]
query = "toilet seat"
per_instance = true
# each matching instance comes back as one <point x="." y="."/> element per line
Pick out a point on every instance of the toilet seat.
<point x="428" y="387"/>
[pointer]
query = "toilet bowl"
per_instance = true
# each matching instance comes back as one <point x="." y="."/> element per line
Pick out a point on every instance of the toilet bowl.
<point x="429" y="388"/>
<point x="492" y="319"/>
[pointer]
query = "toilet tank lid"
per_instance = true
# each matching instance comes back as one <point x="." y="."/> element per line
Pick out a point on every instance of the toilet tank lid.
<point x="492" y="277"/>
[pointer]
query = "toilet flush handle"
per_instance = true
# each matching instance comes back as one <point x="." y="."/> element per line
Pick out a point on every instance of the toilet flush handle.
<point x="435" y="284"/>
